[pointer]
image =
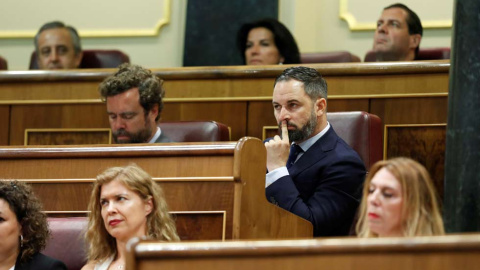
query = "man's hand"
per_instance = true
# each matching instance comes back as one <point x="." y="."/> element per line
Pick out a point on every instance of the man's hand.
<point x="278" y="149"/>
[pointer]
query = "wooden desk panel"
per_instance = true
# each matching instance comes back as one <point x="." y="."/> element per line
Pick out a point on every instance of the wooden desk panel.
<point x="231" y="113"/>
<point x="422" y="253"/>
<point x="239" y="96"/>
<point x="4" y="124"/>
<point x="66" y="116"/>
<point x="209" y="178"/>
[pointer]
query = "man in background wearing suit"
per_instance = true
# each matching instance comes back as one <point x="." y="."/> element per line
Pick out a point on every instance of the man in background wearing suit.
<point x="134" y="98"/>
<point x="318" y="176"/>
<point x="398" y="34"/>
<point x="58" y="46"/>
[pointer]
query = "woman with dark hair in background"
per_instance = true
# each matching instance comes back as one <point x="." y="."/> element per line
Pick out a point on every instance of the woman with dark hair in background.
<point x="23" y="230"/>
<point x="399" y="199"/>
<point x="267" y="42"/>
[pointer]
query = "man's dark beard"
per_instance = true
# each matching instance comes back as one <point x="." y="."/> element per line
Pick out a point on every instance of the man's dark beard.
<point x="300" y="135"/>
<point x="140" y="137"/>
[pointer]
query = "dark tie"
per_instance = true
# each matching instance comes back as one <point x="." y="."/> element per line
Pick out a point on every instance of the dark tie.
<point x="294" y="151"/>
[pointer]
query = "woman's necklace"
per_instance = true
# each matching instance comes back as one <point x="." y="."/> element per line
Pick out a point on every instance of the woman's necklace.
<point x="121" y="266"/>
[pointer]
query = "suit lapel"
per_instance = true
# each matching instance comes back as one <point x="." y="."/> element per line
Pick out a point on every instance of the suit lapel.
<point x="315" y="153"/>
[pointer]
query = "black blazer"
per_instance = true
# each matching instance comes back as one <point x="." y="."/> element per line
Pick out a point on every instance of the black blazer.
<point x="40" y="262"/>
<point x="323" y="186"/>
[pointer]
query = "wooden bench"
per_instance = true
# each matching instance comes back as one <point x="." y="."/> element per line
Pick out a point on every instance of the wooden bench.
<point x="422" y="253"/>
<point x="215" y="190"/>
<point x="411" y="98"/>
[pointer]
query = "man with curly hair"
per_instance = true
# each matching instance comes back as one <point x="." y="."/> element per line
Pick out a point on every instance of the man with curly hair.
<point x="134" y="98"/>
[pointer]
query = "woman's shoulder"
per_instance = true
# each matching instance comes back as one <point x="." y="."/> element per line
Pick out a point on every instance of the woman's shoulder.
<point x="89" y="266"/>
<point x="98" y="265"/>
<point x="41" y="261"/>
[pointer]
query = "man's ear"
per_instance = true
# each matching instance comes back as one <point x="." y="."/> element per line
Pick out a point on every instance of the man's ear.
<point x="78" y="59"/>
<point x="320" y="106"/>
<point x="415" y="40"/>
<point x="154" y="111"/>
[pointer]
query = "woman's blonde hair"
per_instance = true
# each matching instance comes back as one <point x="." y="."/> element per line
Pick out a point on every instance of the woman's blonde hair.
<point x="420" y="207"/>
<point x="160" y="224"/>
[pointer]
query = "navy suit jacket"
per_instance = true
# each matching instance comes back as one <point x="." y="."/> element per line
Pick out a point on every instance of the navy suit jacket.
<point x="323" y="186"/>
<point x="40" y="262"/>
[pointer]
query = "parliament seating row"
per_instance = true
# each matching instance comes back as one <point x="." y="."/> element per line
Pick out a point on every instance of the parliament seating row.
<point x="361" y="130"/>
<point x="195" y="131"/>
<point x="216" y="190"/>
<point x="345" y="57"/>
<point x="113" y="58"/>
<point x="423" y="54"/>
<point x="67" y="244"/>
<point x="93" y="59"/>
<point x="449" y="252"/>
<point x="411" y="99"/>
<point x="240" y="212"/>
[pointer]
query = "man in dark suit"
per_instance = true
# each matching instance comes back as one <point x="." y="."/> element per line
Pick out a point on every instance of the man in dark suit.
<point x="398" y="34"/>
<point x="318" y="176"/>
<point x="134" y="98"/>
<point x="58" y="46"/>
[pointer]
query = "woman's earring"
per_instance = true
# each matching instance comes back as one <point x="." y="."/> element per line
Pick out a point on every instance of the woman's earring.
<point x="21" y="241"/>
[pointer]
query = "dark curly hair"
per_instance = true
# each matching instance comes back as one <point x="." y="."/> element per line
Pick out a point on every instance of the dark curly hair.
<point x="28" y="210"/>
<point x="150" y="87"/>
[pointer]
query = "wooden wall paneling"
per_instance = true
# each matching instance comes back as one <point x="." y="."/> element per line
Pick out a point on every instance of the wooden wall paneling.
<point x="423" y="143"/>
<point x="385" y="84"/>
<point x="420" y="253"/>
<point x="218" y="88"/>
<point x="260" y="114"/>
<point x="41" y="86"/>
<point x="41" y="116"/>
<point x="4" y="124"/>
<point x="411" y="110"/>
<point x="200" y="225"/>
<point x="88" y="168"/>
<point x="345" y="104"/>
<point x="224" y="177"/>
<point x="67" y="195"/>
<point x="232" y="114"/>
<point x="67" y="136"/>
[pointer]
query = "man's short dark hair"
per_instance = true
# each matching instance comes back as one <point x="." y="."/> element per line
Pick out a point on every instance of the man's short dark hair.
<point x="150" y="87"/>
<point x="314" y="84"/>
<point x="284" y="40"/>
<point x="77" y="46"/>
<point x="413" y="22"/>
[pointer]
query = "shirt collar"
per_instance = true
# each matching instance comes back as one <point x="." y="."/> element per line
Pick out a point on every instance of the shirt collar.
<point x="156" y="136"/>
<point x="305" y="145"/>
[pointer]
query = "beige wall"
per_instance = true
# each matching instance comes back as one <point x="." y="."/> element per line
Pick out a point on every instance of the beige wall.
<point x="164" y="50"/>
<point x="315" y="24"/>
<point x="317" y="27"/>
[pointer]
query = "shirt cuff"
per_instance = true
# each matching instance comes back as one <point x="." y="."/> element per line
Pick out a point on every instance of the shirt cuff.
<point x="275" y="175"/>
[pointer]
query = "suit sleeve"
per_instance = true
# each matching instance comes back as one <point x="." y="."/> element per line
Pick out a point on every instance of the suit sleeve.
<point x="334" y="199"/>
<point x="43" y="262"/>
<point x="58" y="265"/>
